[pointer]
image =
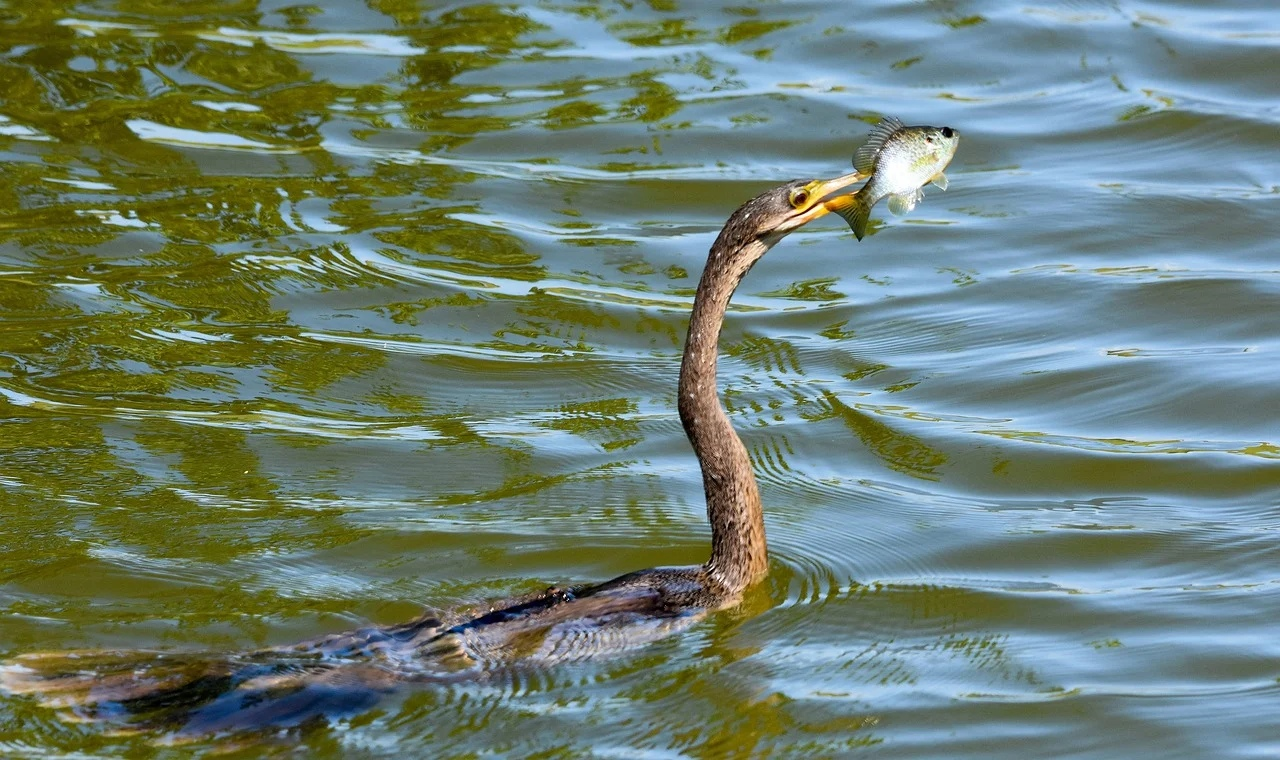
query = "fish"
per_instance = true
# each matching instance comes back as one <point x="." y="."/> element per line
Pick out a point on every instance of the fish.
<point x="900" y="160"/>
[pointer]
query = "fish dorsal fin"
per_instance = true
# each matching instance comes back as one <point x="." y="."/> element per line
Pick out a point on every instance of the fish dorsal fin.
<point x="901" y="204"/>
<point x="865" y="159"/>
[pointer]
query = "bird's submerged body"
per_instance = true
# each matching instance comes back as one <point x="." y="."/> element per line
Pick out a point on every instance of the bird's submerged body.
<point x="195" y="694"/>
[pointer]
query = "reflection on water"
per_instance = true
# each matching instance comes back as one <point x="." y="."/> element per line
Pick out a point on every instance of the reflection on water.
<point x="314" y="316"/>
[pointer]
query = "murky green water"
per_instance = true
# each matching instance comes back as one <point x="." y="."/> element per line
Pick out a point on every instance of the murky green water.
<point x="315" y="315"/>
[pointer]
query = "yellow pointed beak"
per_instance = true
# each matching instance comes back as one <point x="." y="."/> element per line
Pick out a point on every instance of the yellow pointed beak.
<point x="830" y="187"/>
<point x="821" y="193"/>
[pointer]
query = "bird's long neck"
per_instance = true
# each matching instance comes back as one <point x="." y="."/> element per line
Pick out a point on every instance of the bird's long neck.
<point x="739" y="556"/>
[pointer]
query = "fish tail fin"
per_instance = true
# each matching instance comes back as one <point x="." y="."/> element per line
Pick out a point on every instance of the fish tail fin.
<point x="855" y="210"/>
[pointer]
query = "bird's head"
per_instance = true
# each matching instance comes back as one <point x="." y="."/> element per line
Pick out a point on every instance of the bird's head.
<point x="773" y="214"/>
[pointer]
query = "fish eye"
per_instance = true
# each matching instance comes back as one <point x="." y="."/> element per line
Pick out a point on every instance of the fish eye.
<point x="799" y="197"/>
<point x="948" y="132"/>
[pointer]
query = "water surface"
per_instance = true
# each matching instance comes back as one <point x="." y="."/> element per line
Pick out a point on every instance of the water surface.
<point x="317" y="315"/>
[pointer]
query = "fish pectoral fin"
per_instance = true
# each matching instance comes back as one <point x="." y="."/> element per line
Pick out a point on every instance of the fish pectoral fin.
<point x="940" y="181"/>
<point x="901" y="204"/>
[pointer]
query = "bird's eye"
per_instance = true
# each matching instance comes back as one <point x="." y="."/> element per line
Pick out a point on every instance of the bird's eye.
<point x="799" y="197"/>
